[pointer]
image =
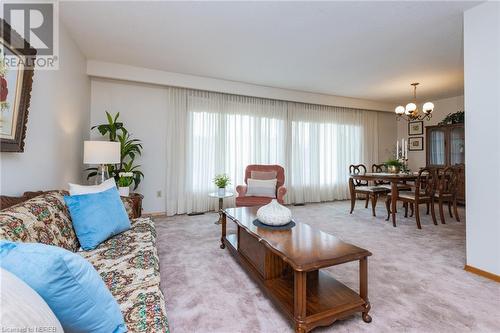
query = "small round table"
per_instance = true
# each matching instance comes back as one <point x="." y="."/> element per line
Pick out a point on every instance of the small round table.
<point x="221" y="201"/>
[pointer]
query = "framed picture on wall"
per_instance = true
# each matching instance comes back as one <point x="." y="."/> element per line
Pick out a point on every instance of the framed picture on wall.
<point x="416" y="128"/>
<point x="15" y="92"/>
<point x="416" y="144"/>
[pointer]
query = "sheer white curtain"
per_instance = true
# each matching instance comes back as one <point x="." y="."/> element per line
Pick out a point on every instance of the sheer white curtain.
<point x="211" y="133"/>
<point x="324" y="142"/>
<point x="176" y="192"/>
<point x="437" y="148"/>
<point x="223" y="134"/>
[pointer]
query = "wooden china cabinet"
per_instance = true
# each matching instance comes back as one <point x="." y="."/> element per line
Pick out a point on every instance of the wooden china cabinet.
<point x="445" y="146"/>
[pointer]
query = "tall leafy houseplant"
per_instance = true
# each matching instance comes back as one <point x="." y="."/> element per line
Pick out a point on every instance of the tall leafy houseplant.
<point x="129" y="149"/>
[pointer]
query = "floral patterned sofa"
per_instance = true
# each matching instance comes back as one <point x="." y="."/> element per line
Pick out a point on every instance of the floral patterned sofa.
<point x="128" y="262"/>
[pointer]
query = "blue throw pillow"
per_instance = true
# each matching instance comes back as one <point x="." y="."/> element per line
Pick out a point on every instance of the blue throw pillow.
<point x="68" y="283"/>
<point x="97" y="216"/>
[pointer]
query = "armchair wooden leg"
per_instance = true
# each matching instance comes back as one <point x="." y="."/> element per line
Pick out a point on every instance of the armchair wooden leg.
<point x="455" y="208"/>
<point x="412" y="210"/>
<point x="367" y="200"/>
<point x="417" y="215"/>
<point x="405" y="205"/>
<point x="374" y="203"/>
<point x="433" y="212"/>
<point x="441" y="211"/>
<point x="449" y="208"/>
<point x="427" y="211"/>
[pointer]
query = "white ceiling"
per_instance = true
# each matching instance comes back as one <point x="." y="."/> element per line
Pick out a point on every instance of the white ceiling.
<point x="370" y="50"/>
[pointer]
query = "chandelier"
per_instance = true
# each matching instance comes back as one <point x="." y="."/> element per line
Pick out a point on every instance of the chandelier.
<point x="411" y="111"/>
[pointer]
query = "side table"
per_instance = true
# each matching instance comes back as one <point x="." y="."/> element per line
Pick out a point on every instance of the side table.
<point x="135" y="200"/>
<point x="221" y="201"/>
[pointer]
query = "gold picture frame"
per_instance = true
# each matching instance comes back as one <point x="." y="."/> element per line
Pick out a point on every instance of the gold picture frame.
<point x="15" y="94"/>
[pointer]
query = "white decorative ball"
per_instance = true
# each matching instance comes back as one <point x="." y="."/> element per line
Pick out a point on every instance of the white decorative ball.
<point x="274" y="214"/>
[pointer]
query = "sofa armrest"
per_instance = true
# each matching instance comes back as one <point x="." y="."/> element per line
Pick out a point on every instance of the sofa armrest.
<point x="281" y="193"/>
<point x="242" y="190"/>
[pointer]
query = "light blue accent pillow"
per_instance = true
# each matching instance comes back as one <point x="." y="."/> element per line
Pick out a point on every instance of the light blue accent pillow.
<point x="68" y="283"/>
<point x="97" y="216"/>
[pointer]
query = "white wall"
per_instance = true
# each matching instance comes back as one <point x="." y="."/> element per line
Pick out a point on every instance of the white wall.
<point x="387" y="134"/>
<point x="57" y="125"/>
<point x="482" y="135"/>
<point x="143" y="108"/>
<point x="442" y="107"/>
<point x="144" y="75"/>
<point x="143" y="111"/>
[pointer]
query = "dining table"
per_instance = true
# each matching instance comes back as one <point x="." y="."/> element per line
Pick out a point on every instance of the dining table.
<point x="393" y="178"/>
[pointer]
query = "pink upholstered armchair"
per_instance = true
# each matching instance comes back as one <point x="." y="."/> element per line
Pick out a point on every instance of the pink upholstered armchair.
<point x="246" y="201"/>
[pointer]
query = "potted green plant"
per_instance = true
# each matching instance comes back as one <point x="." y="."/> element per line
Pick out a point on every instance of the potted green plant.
<point x="129" y="149"/>
<point x="221" y="181"/>
<point x="453" y="118"/>
<point x="394" y="166"/>
<point x="124" y="181"/>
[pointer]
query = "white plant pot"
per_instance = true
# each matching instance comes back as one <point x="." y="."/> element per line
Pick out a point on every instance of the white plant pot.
<point x="221" y="191"/>
<point x="274" y="214"/>
<point x="124" y="191"/>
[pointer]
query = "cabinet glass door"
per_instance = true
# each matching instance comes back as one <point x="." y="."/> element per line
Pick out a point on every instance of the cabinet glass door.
<point x="437" y="147"/>
<point x="457" y="145"/>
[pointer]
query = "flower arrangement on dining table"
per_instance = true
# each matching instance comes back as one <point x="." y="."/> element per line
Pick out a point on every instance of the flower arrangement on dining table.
<point x="394" y="165"/>
<point x="399" y="162"/>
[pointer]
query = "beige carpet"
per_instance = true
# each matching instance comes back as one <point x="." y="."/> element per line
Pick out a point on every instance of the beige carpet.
<point x="416" y="277"/>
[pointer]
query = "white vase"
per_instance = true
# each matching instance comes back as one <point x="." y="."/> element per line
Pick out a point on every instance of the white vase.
<point x="221" y="191"/>
<point x="124" y="191"/>
<point x="274" y="214"/>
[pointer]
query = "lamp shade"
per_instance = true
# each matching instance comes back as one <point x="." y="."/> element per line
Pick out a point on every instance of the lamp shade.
<point x="101" y="152"/>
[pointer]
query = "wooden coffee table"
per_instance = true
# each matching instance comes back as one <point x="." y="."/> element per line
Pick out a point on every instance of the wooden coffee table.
<point x="287" y="264"/>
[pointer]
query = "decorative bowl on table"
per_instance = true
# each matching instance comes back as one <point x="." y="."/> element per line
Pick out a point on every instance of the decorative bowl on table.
<point x="393" y="169"/>
<point x="274" y="214"/>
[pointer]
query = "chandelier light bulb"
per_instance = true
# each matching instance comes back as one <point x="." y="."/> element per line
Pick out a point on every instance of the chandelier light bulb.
<point x="410" y="108"/>
<point x="428" y="107"/>
<point x="400" y="110"/>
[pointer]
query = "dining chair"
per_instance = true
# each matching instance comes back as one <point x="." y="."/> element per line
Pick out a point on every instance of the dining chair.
<point x="447" y="191"/>
<point x="358" y="186"/>
<point x="425" y="188"/>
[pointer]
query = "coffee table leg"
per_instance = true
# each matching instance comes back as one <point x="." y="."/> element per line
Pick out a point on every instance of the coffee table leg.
<point x="223" y="230"/>
<point x="363" y="288"/>
<point x="299" y="301"/>
<point x="220" y="213"/>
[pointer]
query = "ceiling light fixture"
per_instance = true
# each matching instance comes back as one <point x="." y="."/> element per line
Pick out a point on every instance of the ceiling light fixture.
<point x="411" y="111"/>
